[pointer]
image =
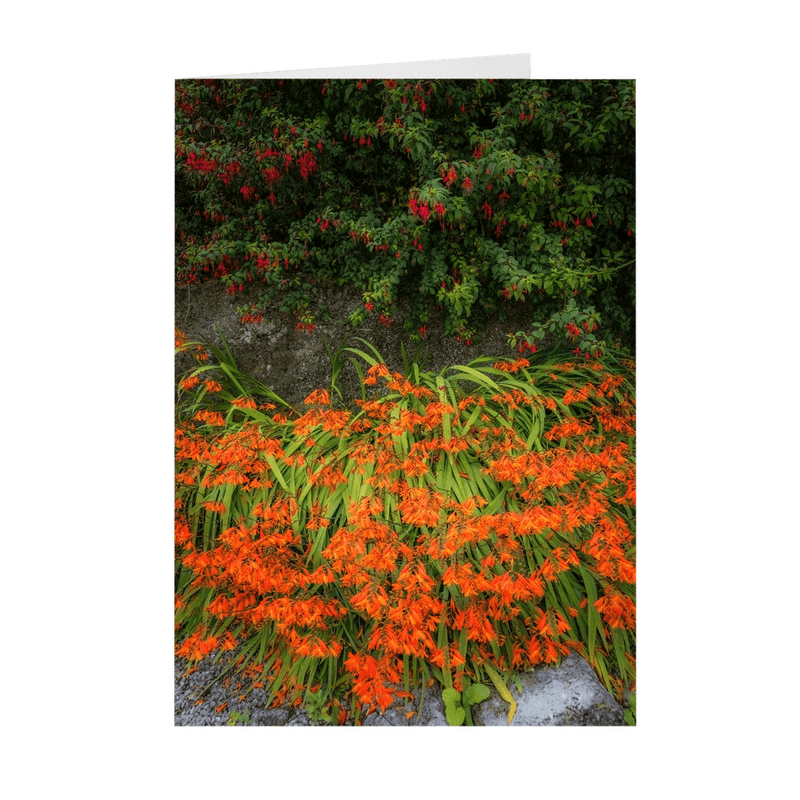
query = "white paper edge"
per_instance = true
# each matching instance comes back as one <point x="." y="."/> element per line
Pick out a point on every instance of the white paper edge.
<point x="507" y="66"/>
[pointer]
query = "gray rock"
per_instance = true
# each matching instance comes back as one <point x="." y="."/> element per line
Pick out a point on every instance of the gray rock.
<point x="570" y="694"/>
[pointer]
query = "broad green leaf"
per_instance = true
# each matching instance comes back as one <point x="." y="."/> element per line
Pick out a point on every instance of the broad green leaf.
<point x="475" y="693"/>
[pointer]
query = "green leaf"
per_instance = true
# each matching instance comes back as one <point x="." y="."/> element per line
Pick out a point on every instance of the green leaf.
<point x="450" y="696"/>
<point x="475" y="693"/>
<point x="455" y="715"/>
<point x="454" y="711"/>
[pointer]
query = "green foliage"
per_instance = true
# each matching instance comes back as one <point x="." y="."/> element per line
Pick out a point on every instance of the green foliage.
<point x="463" y="196"/>
<point x="456" y="704"/>
<point x="236" y="718"/>
<point x="630" y="713"/>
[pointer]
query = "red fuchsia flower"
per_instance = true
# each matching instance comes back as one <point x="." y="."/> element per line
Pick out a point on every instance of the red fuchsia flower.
<point x="487" y="209"/>
<point x="439" y="209"/>
<point x="578" y="222"/>
<point x="247" y="192"/>
<point x="452" y="177"/>
<point x="629" y="231"/>
<point x="423" y="330"/>
<point x="504" y="196"/>
<point x="271" y="175"/>
<point x="424" y="212"/>
<point x="200" y="164"/>
<point x="467" y="184"/>
<point x="319" y="145"/>
<point x="368" y="306"/>
<point x="414" y="206"/>
<point x="271" y="197"/>
<point x="588" y="222"/>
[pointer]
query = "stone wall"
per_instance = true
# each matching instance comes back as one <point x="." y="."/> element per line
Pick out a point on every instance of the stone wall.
<point x="293" y="363"/>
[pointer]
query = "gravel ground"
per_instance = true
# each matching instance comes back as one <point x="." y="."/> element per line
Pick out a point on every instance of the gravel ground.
<point x="234" y="699"/>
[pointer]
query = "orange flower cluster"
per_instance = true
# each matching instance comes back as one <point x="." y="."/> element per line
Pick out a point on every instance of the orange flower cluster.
<point x="364" y="537"/>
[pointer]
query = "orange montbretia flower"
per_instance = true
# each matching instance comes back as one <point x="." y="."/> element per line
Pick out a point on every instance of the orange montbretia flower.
<point x="512" y="366"/>
<point x="373" y="678"/>
<point x="243" y="402"/>
<point x="617" y="610"/>
<point x="571" y="427"/>
<point x="210" y="417"/>
<point x="374" y="372"/>
<point x="420" y="506"/>
<point x="476" y="621"/>
<point x="319" y="397"/>
<point x="198" y="645"/>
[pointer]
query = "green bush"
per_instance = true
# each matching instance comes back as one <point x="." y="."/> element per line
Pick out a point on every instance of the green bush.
<point x="462" y="196"/>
